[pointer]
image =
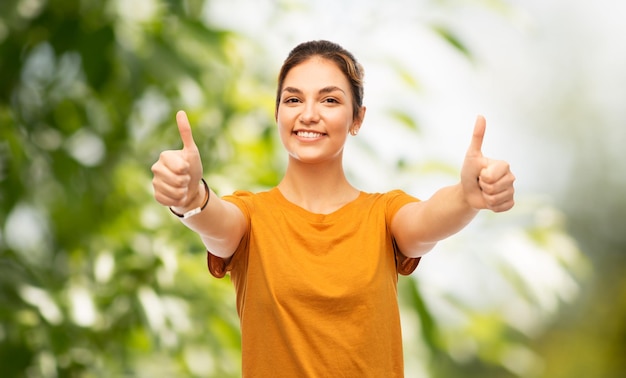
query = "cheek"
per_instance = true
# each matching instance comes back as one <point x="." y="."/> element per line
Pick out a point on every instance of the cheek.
<point x="281" y="122"/>
<point x="284" y="130"/>
<point x="284" y="119"/>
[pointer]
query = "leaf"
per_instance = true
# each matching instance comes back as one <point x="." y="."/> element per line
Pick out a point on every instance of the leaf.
<point x="454" y="40"/>
<point x="414" y="299"/>
<point x="404" y="118"/>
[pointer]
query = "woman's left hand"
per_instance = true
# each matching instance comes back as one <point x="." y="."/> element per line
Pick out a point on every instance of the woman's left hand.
<point x="487" y="183"/>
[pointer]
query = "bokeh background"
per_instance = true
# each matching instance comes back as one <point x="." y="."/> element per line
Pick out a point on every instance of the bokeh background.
<point x="98" y="280"/>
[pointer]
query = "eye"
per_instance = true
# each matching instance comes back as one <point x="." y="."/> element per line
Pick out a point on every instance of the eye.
<point x="331" y="100"/>
<point x="291" y="100"/>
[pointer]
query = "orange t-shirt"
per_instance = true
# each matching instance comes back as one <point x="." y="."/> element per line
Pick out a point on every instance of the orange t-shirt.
<point x="317" y="293"/>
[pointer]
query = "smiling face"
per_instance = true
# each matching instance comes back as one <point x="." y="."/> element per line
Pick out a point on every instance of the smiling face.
<point x="315" y="111"/>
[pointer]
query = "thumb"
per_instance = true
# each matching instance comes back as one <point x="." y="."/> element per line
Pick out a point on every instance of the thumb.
<point x="477" y="137"/>
<point x="184" y="129"/>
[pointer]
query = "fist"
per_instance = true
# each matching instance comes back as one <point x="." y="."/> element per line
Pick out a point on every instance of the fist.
<point x="177" y="173"/>
<point x="487" y="183"/>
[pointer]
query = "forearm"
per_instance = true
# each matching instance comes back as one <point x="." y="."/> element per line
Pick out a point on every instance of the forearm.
<point x="219" y="224"/>
<point x="444" y="214"/>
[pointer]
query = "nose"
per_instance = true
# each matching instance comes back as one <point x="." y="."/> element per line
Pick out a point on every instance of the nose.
<point x="310" y="114"/>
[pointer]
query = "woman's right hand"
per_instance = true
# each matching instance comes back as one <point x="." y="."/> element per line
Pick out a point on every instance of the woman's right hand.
<point x="177" y="173"/>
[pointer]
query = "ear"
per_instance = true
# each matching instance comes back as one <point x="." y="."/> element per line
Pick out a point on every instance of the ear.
<point x="358" y="121"/>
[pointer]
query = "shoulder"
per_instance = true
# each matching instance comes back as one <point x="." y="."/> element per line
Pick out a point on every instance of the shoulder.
<point x="247" y="200"/>
<point x="392" y="199"/>
<point x="388" y="203"/>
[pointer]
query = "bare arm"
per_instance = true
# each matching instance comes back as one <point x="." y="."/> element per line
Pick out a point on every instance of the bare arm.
<point x="176" y="182"/>
<point x="485" y="184"/>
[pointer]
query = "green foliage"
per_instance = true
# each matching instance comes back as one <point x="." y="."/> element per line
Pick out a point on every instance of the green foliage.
<point x="453" y="39"/>
<point x="96" y="279"/>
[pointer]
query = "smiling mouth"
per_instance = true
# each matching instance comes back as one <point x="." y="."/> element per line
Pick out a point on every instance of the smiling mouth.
<point x="309" y="134"/>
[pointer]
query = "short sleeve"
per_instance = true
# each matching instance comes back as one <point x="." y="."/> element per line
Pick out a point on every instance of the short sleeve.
<point x="218" y="267"/>
<point x="405" y="265"/>
<point x="396" y="199"/>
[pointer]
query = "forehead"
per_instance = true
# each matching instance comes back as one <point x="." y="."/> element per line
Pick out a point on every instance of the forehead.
<point x="314" y="73"/>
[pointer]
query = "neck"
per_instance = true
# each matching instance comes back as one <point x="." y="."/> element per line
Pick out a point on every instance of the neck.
<point x="319" y="188"/>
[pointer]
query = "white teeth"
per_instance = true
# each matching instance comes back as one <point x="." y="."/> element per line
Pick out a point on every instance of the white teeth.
<point x="308" y="134"/>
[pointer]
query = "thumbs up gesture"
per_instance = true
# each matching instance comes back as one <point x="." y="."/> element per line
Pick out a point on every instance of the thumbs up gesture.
<point x="177" y="173"/>
<point x="487" y="183"/>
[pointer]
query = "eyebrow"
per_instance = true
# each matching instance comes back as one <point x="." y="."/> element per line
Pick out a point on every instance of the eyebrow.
<point x="328" y="89"/>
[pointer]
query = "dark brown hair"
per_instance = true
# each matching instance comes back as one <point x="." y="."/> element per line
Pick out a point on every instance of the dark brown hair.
<point x="333" y="52"/>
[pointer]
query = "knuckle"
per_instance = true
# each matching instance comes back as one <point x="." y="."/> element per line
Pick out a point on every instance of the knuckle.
<point x="164" y="156"/>
<point x="181" y="181"/>
<point x="180" y="194"/>
<point x="180" y="167"/>
<point x="486" y="188"/>
<point x="493" y="201"/>
<point x="157" y="167"/>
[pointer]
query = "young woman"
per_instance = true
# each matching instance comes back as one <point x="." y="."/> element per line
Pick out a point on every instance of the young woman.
<point x="315" y="261"/>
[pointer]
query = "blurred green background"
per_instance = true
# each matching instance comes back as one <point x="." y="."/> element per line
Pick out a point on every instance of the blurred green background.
<point x="98" y="280"/>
